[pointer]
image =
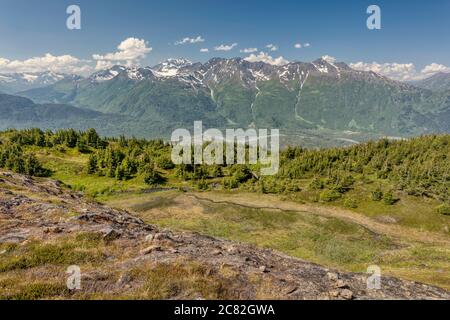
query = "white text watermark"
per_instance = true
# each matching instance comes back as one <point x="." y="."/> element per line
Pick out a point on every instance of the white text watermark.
<point x="208" y="147"/>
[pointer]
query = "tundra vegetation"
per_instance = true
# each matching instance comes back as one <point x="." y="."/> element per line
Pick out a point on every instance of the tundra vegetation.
<point x="398" y="188"/>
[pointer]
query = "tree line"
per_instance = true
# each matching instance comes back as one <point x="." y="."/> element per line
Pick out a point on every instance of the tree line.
<point x="418" y="166"/>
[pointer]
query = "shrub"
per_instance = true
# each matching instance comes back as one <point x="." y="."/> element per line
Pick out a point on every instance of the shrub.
<point x="389" y="199"/>
<point x="316" y="184"/>
<point x="151" y="176"/>
<point x="92" y="164"/>
<point x="377" y="195"/>
<point x="329" y="195"/>
<point x="165" y="163"/>
<point x="215" y="171"/>
<point x="230" y="183"/>
<point x="202" y="184"/>
<point x="351" y="203"/>
<point x="82" y="147"/>
<point x="293" y="187"/>
<point x="443" y="209"/>
<point x="241" y="173"/>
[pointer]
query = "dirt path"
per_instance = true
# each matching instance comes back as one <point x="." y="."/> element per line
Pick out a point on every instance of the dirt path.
<point x="271" y="202"/>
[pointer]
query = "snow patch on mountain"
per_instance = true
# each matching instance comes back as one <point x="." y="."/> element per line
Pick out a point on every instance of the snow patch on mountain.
<point x="220" y="70"/>
<point x="170" y="68"/>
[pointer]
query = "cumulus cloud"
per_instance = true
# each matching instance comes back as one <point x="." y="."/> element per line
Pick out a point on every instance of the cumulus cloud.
<point x="224" y="47"/>
<point x="396" y="71"/>
<point x="434" y="68"/>
<point x="401" y="71"/>
<point x="249" y="50"/>
<point x="265" y="57"/>
<point x="188" y="40"/>
<point x="130" y="52"/>
<point x="48" y="62"/>
<point x="204" y="50"/>
<point x="306" y="45"/>
<point x="272" y="47"/>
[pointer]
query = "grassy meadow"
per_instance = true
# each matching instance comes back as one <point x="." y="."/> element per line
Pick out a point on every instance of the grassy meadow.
<point x="331" y="241"/>
<point x="366" y="212"/>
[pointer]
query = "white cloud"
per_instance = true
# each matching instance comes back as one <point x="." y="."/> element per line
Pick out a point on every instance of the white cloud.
<point x="48" y="62"/>
<point x="272" y="47"/>
<point x="130" y="52"/>
<point x="329" y="59"/>
<point x="401" y="71"/>
<point x="435" y="68"/>
<point x="396" y="71"/>
<point x="249" y="50"/>
<point x="102" y="64"/>
<point x="304" y="45"/>
<point x="224" y="47"/>
<point x="204" y="50"/>
<point x="186" y="40"/>
<point x="264" y="57"/>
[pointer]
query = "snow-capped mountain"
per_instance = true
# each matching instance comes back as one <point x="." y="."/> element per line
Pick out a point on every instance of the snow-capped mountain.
<point x="171" y="67"/>
<point x="321" y="94"/>
<point x="218" y="70"/>
<point x="107" y="74"/>
<point x="16" y="82"/>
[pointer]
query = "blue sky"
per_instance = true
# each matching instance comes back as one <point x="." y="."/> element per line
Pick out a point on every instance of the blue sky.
<point x="413" y="32"/>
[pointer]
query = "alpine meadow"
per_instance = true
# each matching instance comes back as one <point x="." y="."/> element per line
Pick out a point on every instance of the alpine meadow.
<point x="100" y="199"/>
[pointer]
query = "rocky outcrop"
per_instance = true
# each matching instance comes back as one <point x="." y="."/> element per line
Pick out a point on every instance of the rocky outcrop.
<point x="43" y="210"/>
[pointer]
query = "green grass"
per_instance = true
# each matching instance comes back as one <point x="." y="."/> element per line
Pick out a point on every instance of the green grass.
<point x="327" y="241"/>
<point x="70" y="168"/>
<point x="35" y="291"/>
<point x="36" y="270"/>
<point x="64" y="253"/>
<point x="166" y="281"/>
<point x="409" y="211"/>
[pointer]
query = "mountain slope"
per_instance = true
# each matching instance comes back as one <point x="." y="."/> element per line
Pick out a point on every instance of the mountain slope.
<point x="15" y="82"/>
<point x="18" y="112"/>
<point x="121" y="256"/>
<point x="437" y="82"/>
<point x="321" y="95"/>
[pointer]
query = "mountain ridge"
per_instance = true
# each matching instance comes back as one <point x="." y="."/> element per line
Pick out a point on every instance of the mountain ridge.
<point x="438" y="82"/>
<point x="11" y="83"/>
<point x="236" y="92"/>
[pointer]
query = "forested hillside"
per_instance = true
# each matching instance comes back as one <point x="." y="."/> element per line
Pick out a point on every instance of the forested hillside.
<point x="384" y="202"/>
<point x="320" y="96"/>
<point x="416" y="167"/>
